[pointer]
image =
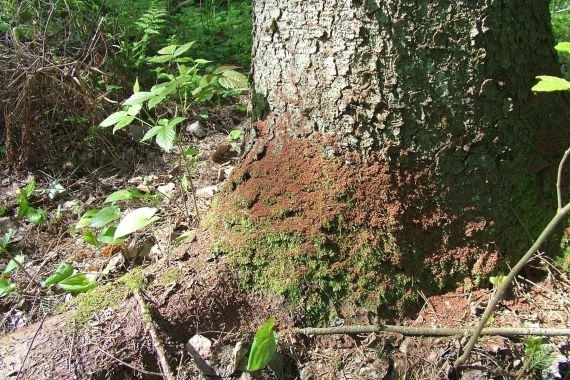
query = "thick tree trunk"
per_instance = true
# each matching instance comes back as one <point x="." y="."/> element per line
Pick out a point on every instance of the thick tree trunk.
<point x="396" y="144"/>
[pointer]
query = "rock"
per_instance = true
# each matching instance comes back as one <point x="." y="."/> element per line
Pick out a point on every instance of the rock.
<point x="207" y="192"/>
<point x="199" y="347"/>
<point x="552" y="371"/>
<point x="196" y="129"/>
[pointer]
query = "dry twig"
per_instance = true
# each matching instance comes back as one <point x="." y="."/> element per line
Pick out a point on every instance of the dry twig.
<point x="159" y="348"/>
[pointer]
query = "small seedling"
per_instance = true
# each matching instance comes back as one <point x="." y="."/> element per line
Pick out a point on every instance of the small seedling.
<point x="264" y="346"/>
<point x="64" y="279"/>
<point x="537" y="356"/>
<point x="235" y="135"/>
<point x="25" y="209"/>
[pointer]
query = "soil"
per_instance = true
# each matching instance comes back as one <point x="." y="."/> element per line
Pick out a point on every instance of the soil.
<point x="189" y="289"/>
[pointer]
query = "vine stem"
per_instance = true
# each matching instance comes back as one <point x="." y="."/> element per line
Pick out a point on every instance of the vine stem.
<point x="502" y="288"/>
<point x="559" y="178"/>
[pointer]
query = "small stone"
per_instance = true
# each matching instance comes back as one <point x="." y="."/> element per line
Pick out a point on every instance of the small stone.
<point x="196" y="129"/>
<point x="200" y="348"/>
<point x="207" y="192"/>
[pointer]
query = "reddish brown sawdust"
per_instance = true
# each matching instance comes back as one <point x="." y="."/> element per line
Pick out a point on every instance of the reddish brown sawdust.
<point x="293" y="188"/>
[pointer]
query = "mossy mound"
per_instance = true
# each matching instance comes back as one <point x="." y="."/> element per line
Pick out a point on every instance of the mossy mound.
<point x="322" y="231"/>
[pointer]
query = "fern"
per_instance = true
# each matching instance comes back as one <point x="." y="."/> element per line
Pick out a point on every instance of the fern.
<point x="150" y="25"/>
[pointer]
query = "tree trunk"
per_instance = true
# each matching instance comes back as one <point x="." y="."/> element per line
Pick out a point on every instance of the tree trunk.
<point x="396" y="145"/>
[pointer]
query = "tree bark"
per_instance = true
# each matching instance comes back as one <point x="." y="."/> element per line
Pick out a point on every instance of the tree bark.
<point x="394" y="145"/>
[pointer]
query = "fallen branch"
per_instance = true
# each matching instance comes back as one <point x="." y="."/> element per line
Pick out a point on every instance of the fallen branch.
<point x="159" y="348"/>
<point x="432" y="331"/>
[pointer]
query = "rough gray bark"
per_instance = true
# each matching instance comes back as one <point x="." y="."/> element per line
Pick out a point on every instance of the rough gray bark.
<point x="422" y="121"/>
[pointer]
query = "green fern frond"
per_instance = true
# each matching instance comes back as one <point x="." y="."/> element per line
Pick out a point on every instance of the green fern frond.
<point x="153" y="20"/>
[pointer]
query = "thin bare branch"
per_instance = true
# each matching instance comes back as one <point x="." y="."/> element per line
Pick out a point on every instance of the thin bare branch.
<point x="431" y="331"/>
<point x="502" y="288"/>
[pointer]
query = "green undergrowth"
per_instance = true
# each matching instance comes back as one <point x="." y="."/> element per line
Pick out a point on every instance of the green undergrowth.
<point x="222" y="31"/>
<point x="560" y="19"/>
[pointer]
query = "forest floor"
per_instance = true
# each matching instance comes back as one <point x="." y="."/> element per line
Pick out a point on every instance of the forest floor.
<point x="192" y="294"/>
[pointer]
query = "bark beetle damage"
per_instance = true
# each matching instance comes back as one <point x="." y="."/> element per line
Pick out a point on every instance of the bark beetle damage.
<point x="319" y="230"/>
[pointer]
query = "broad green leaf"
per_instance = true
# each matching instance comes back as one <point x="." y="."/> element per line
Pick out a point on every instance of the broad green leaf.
<point x="233" y="80"/>
<point x="63" y="271"/>
<point x="165" y="137"/>
<point x="549" y="83"/>
<point x="176" y="120"/>
<point x="264" y="346"/>
<point x="124" y="194"/>
<point x="86" y="218"/>
<point x="105" y="216"/>
<point x="183" y="60"/>
<point x="77" y="283"/>
<point x="119" y="195"/>
<point x="235" y="134"/>
<point x="36" y="216"/>
<point x="223" y="68"/>
<point x="127" y="120"/>
<point x="23" y="207"/>
<point x="563" y="47"/>
<point x="183" y="48"/>
<point x="138" y="98"/>
<point x="7" y="237"/>
<point x="202" y="61"/>
<point x="107" y="236"/>
<point x="154" y="101"/>
<point x="497" y="280"/>
<point x="90" y="238"/>
<point x="190" y="152"/>
<point x="151" y="132"/>
<point x="113" y="119"/>
<point x="160" y="59"/>
<point x="170" y="49"/>
<point x="134" y="109"/>
<point x="29" y="189"/>
<point x="184" y="183"/>
<point x="6" y="287"/>
<point x="13" y="263"/>
<point x="135" y="220"/>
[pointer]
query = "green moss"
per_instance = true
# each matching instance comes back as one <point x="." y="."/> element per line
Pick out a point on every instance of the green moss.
<point x="169" y="276"/>
<point x="102" y="297"/>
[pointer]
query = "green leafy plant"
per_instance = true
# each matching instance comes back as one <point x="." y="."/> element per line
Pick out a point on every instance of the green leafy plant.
<point x="63" y="278"/>
<point x="105" y="220"/>
<point x="537" y="357"/>
<point x="6" y="284"/>
<point x="497" y="280"/>
<point x="178" y="88"/>
<point x="181" y="82"/>
<point x="235" y="135"/>
<point x="25" y="209"/>
<point x="264" y="346"/>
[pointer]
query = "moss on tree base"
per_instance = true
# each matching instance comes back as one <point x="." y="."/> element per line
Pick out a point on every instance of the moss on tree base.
<point x="324" y="230"/>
